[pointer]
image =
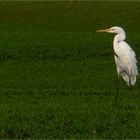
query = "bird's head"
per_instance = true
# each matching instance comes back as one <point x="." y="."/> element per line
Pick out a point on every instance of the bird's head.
<point x="114" y="29"/>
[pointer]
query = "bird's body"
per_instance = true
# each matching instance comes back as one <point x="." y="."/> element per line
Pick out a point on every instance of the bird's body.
<point x="125" y="57"/>
<point x="126" y="63"/>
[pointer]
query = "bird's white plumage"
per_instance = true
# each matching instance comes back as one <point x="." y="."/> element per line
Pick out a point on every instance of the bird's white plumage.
<point x="126" y="62"/>
<point x="125" y="57"/>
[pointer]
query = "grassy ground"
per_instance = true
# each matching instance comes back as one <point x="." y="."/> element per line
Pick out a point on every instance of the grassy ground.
<point x="57" y="75"/>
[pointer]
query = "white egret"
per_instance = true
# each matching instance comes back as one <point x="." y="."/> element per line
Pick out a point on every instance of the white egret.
<point x="124" y="56"/>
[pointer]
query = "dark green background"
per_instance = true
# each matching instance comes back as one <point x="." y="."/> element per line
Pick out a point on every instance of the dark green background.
<point x="57" y="75"/>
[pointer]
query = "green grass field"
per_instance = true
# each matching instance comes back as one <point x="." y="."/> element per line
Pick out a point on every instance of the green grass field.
<point x="57" y="75"/>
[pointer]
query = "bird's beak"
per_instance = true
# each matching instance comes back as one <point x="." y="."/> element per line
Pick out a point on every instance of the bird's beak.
<point x="103" y="30"/>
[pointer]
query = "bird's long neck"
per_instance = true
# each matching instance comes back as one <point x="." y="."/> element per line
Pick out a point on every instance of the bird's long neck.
<point x="118" y="38"/>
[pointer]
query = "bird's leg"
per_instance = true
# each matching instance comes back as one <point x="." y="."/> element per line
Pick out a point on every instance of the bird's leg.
<point x="129" y="81"/>
<point x="130" y="85"/>
<point x="117" y="91"/>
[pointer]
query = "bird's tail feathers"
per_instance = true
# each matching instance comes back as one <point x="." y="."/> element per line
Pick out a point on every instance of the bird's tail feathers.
<point x="130" y="81"/>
